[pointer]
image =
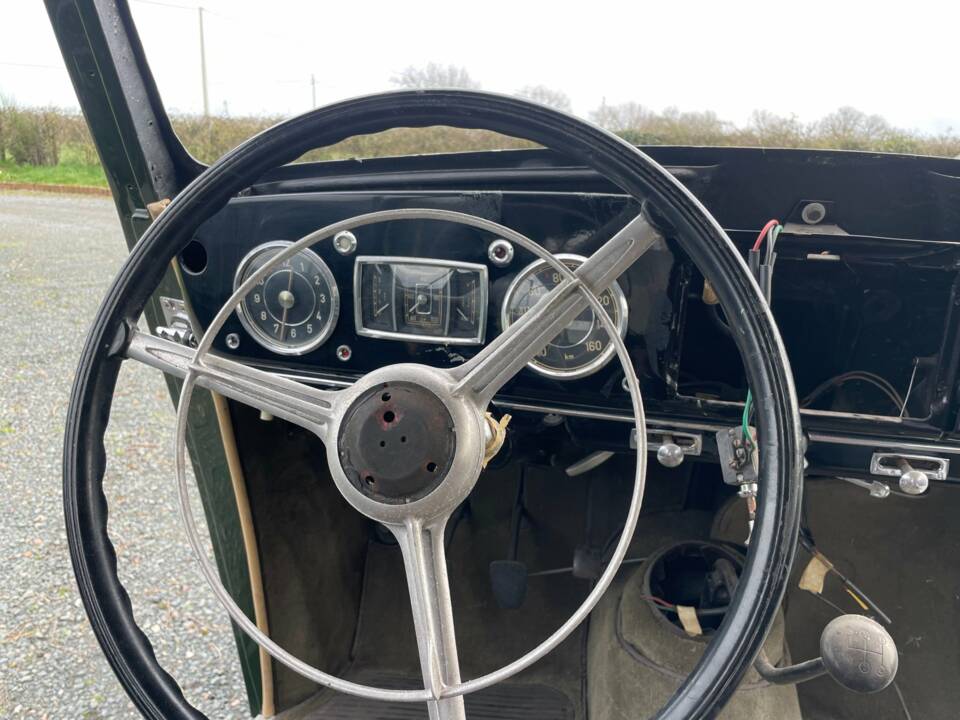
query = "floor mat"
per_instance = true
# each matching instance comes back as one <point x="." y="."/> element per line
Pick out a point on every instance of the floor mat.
<point x="506" y="701"/>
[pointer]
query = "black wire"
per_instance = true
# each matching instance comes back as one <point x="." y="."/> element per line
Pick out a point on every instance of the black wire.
<point x="903" y="703"/>
<point x="832" y="604"/>
<point x="885" y="387"/>
<point x="771" y="241"/>
<point x="517" y="515"/>
<point x="848" y="583"/>
<point x="458" y="515"/>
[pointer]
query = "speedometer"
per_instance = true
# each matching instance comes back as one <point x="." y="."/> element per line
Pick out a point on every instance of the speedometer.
<point x="295" y="307"/>
<point x="581" y="348"/>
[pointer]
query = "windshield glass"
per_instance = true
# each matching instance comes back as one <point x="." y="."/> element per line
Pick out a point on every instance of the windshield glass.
<point x="821" y="75"/>
<point x="827" y="74"/>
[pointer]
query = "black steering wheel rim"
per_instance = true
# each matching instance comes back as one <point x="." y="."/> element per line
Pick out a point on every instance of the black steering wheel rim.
<point x="155" y="693"/>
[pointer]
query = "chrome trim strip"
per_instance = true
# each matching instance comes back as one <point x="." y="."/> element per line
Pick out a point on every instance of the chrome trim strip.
<point x="855" y="416"/>
<point x="908" y="445"/>
<point x="704" y="402"/>
<point x="660" y="422"/>
<point x="653" y="421"/>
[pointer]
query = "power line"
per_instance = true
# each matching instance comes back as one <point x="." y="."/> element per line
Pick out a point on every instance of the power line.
<point x="203" y="66"/>
<point x="174" y="6"/>
<point x="203" y="46"/>
<point x="204" y="80"/>
<point x="33" y="65"/>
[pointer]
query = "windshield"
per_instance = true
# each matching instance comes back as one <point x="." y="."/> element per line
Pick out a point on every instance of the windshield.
<point x="821" y="75"/>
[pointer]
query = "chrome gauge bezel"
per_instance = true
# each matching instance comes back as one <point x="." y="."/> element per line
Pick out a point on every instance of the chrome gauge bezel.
<point x="608" y="352"/>
<point x="254" y="330"/>
<point x="482" y="303"/>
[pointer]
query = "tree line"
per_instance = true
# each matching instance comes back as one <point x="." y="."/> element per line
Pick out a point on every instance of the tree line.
<point x="50" y="136"/>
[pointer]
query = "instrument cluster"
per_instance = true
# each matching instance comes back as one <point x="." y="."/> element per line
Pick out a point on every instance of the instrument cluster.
<point x="295" y="308"/>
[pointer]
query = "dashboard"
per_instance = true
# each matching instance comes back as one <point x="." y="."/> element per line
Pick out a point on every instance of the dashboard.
<point x="850" y="305"/>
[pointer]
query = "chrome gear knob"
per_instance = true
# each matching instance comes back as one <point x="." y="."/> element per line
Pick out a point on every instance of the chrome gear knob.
<point x="859" y="654"/>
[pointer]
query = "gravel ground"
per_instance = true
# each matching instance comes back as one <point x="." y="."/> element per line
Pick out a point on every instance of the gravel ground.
<point x="57" y="256"/>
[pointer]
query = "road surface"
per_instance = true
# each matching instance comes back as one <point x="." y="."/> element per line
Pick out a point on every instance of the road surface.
<point x="57" y="256"/>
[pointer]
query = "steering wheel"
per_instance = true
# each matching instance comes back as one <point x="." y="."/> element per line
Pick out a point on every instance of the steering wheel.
<point x="447" y="404"/>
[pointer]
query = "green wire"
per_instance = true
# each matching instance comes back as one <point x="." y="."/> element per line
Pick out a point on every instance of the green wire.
<point x="775" y="233"/>
<point x="746" y="416"/>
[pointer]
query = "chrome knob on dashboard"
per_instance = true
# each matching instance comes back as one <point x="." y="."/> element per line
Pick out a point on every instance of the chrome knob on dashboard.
<point x="912" y="481"/>
<point x="669" y="454"/>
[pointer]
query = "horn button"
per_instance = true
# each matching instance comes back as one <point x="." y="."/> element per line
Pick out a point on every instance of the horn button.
<point x="397" y="442"/>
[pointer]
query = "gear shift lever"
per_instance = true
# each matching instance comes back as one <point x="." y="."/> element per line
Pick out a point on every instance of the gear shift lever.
<point x="856" y="651"/>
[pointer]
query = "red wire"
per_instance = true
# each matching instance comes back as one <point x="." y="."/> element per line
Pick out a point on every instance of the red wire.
<point x="659" y="601"/>
<point x="763" y="233"/>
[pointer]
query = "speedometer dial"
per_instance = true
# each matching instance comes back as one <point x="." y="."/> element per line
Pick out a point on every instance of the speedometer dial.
<point x="581" y="348"/>
<point x="295" y="307"/>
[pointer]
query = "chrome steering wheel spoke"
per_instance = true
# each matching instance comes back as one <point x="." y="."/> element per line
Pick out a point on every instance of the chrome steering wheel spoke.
<point x="425" y="564"/>
<point x="301" y="404"/>
<point x="483" y="375"/>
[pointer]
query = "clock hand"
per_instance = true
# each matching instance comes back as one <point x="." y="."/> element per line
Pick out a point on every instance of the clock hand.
<point x="286" y="300"/>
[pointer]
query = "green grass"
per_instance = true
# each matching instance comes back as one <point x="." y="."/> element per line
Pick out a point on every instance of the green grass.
<point x="66" y="173"/>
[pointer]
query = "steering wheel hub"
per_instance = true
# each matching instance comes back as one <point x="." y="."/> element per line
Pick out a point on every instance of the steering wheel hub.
<point x="397" y="442"/>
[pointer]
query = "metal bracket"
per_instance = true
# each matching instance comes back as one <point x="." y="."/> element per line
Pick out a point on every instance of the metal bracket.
<point x="739" y="462"/>
<point x="178" y="327"/>
<point x="688" y="442"/>
<point x="891" y="465"/>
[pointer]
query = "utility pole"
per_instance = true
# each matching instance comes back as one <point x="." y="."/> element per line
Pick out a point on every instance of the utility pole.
<point x="313" y="88"/>
<point x="203" y="66"/>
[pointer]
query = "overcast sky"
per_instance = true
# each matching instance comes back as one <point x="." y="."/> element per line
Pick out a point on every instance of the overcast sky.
<point x="899" y="60"/>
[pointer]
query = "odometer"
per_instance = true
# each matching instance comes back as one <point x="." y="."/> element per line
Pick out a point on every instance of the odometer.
<point x="295" y="307"/>
<point x="581" y="348"/>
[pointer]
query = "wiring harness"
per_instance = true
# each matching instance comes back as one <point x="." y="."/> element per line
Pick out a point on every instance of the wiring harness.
<point x="762" y="271"/>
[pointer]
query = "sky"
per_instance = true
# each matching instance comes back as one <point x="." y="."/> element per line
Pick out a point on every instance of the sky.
<point x="804" y="59"/>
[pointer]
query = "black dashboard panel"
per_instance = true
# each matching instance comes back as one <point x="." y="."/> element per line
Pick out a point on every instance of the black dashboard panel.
<point x="562" y="223"/>
<point x="851" y="293"/>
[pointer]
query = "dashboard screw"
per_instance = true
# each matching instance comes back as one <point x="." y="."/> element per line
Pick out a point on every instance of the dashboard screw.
<point x="232" y="340"/>
<point x="345" y="242"/>
<point x="344" y="353"/>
